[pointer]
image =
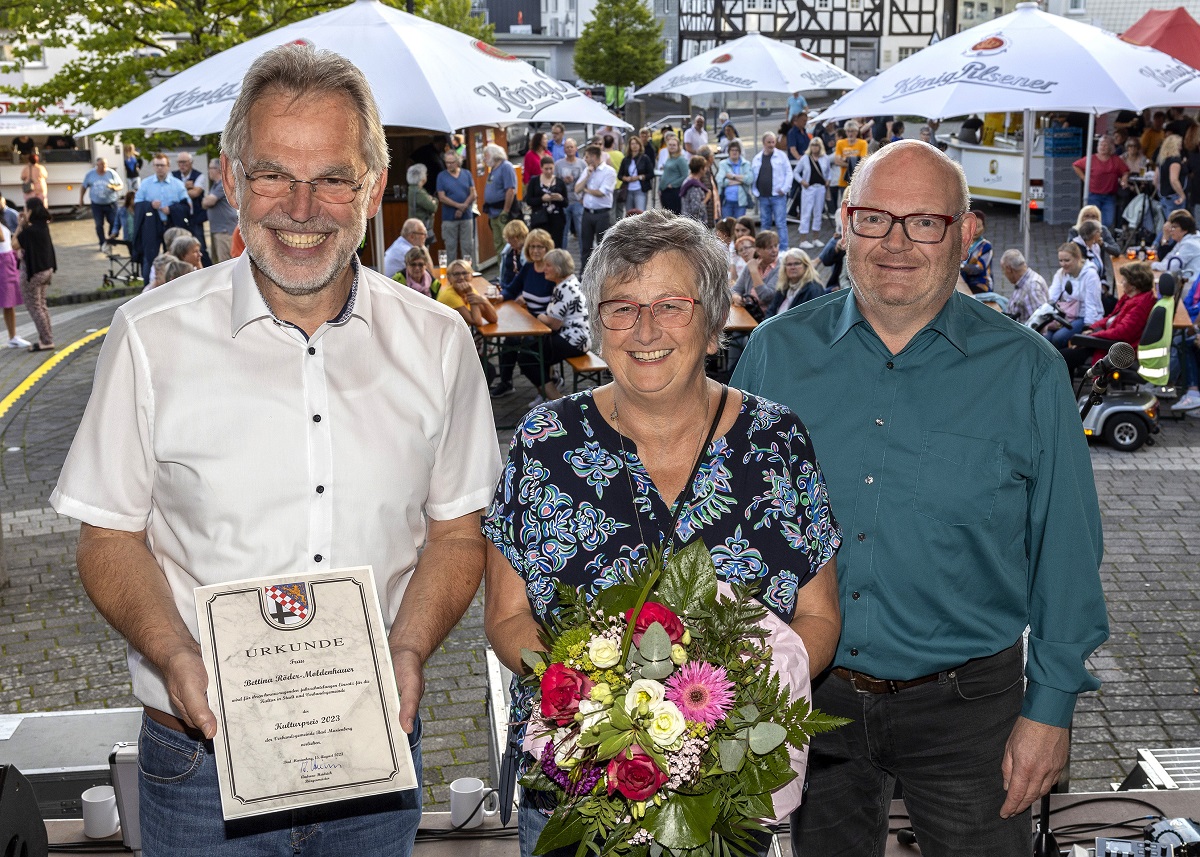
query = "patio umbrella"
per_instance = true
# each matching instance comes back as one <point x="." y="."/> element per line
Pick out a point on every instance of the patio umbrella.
<point x="1026" y="61"/>
<point x="423" y="75"/>
<point x="752" y="64"/>
<point x="1172" y="31"/>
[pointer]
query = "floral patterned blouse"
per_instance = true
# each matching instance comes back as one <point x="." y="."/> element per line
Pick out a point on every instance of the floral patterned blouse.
<point x="564" y="509"/>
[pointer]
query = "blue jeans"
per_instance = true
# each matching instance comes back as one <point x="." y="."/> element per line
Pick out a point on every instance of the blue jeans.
<point x="944" y="741"/>
<point x="635" y="200"/>
<point x="180" y="810"/>
<point x="574" y="223"/>
<point x="773" y="214"/>
<point x="102" y="214"/>
<point x="1107" y="203"/>
<point x="732" y="209"/>
<point x="1062" y="336"/>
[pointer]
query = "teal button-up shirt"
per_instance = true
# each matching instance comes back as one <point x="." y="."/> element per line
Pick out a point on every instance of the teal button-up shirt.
<point x="960" y="475"/>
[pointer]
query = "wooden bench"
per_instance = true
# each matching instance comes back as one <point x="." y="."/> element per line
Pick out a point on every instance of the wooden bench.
<point x="589" y="367"/>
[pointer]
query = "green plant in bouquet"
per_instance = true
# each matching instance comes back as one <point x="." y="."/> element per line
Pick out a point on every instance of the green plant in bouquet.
<point x="663" y="728"/>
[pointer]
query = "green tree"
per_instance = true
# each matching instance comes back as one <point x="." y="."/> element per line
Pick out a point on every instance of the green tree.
<point x="125" y="48"/>
<point x="622" y="44"/>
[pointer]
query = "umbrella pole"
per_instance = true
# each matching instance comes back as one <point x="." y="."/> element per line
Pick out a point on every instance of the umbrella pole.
<point x="754" y="101"/>
<point x="1087" y="153"/>
<point x="377" y="236"/>
<point x="1026" y="164"/>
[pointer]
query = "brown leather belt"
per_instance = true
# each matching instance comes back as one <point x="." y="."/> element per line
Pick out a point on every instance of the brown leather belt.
<point x="172" y="722"/>
<point x="870" y="684"/>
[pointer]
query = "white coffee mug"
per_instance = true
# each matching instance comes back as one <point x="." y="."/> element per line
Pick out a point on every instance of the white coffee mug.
<point x="99" y="812"/>
<point x="468" y="802"/>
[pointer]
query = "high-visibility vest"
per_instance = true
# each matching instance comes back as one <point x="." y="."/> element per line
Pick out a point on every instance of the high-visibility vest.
<point x="1154" y="350"/>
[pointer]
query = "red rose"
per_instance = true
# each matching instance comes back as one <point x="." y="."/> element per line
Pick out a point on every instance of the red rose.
<point x="653" y="612"/>
<point x="635" y="775"/>
<point x="562" y="688"/>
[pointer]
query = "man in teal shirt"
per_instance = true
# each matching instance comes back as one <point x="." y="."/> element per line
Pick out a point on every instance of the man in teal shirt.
<point x="959" y="472"/>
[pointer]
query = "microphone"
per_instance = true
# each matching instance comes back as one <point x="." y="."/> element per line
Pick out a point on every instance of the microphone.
<point x="1120" y="356"/>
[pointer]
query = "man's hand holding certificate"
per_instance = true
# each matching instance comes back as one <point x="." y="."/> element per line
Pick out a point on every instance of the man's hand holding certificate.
<point x="303" y="689"/>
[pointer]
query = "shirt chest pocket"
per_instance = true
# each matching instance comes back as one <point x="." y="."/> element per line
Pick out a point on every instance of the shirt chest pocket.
<point x="958" y="478"/>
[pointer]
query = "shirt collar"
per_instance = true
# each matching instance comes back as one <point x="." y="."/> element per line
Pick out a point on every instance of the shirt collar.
<point x="249" y="305"/>
<point x="949" y="321"/>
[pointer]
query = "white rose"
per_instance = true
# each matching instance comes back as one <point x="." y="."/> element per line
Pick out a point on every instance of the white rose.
<point x="566" y="746"/>
<point x="592" y="714"/>
<point x="666" y="724"/>
<point x="644" y="691"/>
<point x="604" y="652"/>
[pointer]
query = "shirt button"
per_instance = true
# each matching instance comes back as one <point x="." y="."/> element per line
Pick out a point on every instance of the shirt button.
<point x="316" y="418"/>
<point x="320" y="489"/>
<point x="862" y="537"/>
<point x="854" y="595"/>
<point x="854" y="653"/>
<point x="312" y="350"/>
<point x="878" y="422"/>
<point x="869" y="480"/>
<point x="891" y="365"/>
<point x="318" y="558"/>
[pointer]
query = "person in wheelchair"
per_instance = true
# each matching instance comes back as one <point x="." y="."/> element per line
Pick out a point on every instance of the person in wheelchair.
<point x="1124" y="324"/>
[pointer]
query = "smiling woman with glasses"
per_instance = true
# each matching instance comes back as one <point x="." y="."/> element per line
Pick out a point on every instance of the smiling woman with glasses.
<point x="660" y="457"/>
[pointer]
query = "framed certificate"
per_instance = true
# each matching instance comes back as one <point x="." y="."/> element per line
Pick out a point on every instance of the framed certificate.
<point x="301" y="681"/>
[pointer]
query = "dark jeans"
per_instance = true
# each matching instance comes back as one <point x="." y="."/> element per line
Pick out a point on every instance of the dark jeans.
<point x="556" y="349"/>
<point x="943" y="741"/>
<point x="595" y="224"/>
<point x="102" y="214"/>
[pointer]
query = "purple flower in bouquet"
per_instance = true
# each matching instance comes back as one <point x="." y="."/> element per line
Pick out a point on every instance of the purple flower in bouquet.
<point x="584" y="783"/>
<point x="702" y="691"/>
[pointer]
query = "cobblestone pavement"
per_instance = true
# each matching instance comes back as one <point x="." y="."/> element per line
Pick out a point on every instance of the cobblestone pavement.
<point x="57" y="653"/>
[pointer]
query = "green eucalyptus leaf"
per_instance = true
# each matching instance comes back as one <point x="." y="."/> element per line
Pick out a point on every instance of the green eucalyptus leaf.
<point x="766" y="736"/>
<point x="747" y="713"/>
<point x="658" y="670"/>
<point x="689" y="582"/>
<point x="532" y="659"/>
<point x="655" y="644"/>
<point x="732" y="753"/>
<point x="682" y="821"/>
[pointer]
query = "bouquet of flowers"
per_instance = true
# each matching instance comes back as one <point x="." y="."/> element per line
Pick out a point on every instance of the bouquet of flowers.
<point x="662" y="726"/>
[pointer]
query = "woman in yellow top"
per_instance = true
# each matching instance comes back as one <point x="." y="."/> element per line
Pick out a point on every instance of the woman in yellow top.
<point x="475" y="309"/>
<point x="847" y="154"/>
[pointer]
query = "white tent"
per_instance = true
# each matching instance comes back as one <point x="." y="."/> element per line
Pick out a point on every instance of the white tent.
<point x="423" y="75"/>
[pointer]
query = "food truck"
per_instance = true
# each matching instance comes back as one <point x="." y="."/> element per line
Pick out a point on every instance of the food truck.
<point x="66" y="159"/>
<point x="995" y="164"/>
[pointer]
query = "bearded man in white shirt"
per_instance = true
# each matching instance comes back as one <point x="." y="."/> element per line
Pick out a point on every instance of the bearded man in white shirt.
<point x="290" y="412"/>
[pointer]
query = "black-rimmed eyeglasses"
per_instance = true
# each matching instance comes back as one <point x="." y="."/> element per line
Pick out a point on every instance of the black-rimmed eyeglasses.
<point x="920" y="228"/>
<point x="332" y="189"/>
<point x="666" y="312"/>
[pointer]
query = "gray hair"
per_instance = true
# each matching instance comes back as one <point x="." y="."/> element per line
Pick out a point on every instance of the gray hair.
<point x="868" y="164"/>
<point x="561" y="262"/>
<point x="1013" y="258"/>
<point x="175" y="269"/>
<point x="492" y="153"/>
<point x="1089" y="229"/>
<point x="411" y="224"/>
<point x="298" y="71"/>
<point x="417" y="173"/>
<point x="633" y="241"/>
<point x="182" y="245"/>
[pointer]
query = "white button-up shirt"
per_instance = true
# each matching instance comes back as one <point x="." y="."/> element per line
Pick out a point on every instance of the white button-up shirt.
<point x="603" y="179"/>
<point x="245" y="450"/>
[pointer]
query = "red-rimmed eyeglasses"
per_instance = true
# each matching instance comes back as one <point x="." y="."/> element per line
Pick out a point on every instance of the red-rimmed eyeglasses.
<point x="666" y="312"/>
<point x="919" y="228"/>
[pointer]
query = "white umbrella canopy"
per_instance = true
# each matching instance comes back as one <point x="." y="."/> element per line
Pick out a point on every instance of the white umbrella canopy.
<point x="1026" y="60"/>
<point x="752" y="63"/>
<point x="423" y="75"/>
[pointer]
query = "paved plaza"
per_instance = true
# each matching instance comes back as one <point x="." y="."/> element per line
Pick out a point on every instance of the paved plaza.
<point x="57" y="653"/>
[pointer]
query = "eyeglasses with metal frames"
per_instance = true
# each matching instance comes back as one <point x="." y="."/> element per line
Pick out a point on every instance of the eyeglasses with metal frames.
<point x="666" y="312"/>
<point x="332" y="189"/>
<point x="919" y="228"/>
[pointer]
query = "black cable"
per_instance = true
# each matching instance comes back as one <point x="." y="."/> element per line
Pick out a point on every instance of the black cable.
<point x="1114" y="799"/>
<point x="89" y="847"/>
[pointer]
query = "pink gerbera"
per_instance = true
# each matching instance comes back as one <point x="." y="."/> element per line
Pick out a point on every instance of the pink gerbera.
<point x="703" y="692"/>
